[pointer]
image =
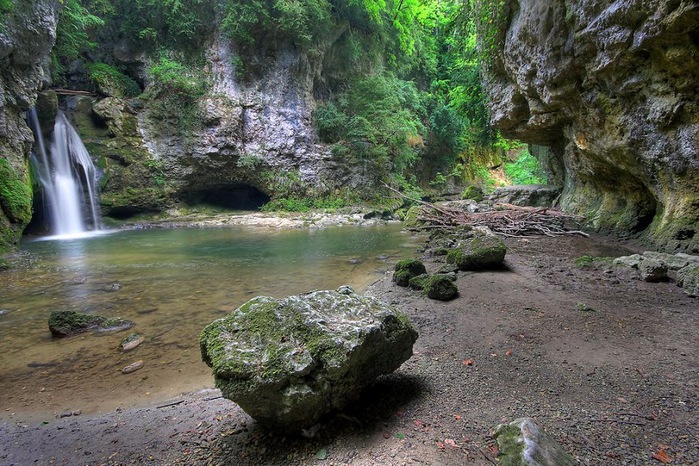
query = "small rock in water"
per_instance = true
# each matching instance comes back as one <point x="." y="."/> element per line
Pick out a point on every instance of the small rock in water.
<point x="131" y="341"/>
<point x="115" y="287"/>
<point x="133" y="367"/>
<point x="147" y="310"/>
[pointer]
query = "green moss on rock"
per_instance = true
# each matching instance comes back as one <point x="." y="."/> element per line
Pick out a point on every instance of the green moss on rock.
<point x="407" y="269"/>
<point x="478" y="253"/>
<point x="289" y="361"/>
<point x="473" y="192"/>
<point x="411" y="219"/>
<point x="67" y="323"/>
<point x="441" y="288"/>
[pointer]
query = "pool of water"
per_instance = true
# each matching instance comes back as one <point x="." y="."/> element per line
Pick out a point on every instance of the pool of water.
<point x="171" y="283"/>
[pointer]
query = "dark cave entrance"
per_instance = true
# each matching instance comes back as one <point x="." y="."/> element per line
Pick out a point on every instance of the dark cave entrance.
<point x="229" y="196"/>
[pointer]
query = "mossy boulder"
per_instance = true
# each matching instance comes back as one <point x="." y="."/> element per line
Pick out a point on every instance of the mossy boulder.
<point x="523" y="443"/>
<point x="480" y="252"/>
<point x="472" y="192"/>
<point x="412" y="217"/>
<point x="288" y="362"/>
<point x="441" y="287"/>
<point x="67" y="323"/>
<point x="688" y="279"/>
<point x="419" y="282"/>
<point x="406" y="269"/>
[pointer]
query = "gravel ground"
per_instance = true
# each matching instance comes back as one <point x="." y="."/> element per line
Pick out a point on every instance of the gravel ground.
<point x="605" y="363"/>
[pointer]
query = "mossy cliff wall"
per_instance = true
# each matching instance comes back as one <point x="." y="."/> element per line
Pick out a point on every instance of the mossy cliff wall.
<point x="27" y="33"/>
<point x="248" y="123"/>
<point x="610" y="89"/>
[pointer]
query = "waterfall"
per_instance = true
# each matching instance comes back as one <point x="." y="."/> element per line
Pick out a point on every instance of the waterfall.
<point x="68" y="179"/>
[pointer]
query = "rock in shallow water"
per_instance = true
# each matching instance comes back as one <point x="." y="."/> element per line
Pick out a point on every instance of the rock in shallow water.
<point x="288" y="362"/>
<point x="67" y="323"/>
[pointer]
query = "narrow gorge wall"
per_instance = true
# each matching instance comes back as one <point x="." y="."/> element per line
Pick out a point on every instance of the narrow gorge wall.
<point x="27" y="34"/>
<point x="609" y="89"/>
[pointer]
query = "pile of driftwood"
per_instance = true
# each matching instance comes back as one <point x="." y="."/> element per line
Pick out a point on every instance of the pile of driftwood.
<point x="504" y="219"/>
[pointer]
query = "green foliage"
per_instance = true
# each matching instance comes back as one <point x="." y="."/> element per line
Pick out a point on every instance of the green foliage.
<point x="249" y="161"/>
<point x="15" y="195"/>
<point x="72" y="38"/>
<point x="304" y="204"/>
<point x="525" y="170"/>
<point x="176" y="24"/>
<point x="6" y="6"/>
<point x="300" y="21"/>
<point x="173" y="78"/>
<point x="110" y="78"/>
<point x="377" y="120"/>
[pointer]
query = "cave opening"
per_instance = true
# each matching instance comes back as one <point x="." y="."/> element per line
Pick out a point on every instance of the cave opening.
<point x="229" y="197"/>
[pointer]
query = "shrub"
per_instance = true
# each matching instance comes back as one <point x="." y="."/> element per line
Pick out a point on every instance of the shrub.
<point x="109" y="80"/>
<point x="525" y="170"/>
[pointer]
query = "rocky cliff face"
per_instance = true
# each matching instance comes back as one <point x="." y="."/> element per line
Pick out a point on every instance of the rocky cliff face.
<point x="249" y="138"/>
<point x="609" y="89"/>
<point x="27" y="34"/>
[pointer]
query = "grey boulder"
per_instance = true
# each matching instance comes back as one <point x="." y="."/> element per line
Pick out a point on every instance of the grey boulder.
<point x="288" y="362"/>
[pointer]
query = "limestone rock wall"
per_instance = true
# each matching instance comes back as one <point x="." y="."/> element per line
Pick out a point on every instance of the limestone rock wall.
<point x="27" y="34"/>
<point x="609" y="88"/>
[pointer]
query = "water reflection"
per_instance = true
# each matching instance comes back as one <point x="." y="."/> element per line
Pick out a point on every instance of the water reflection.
<point x="171" y="283"/>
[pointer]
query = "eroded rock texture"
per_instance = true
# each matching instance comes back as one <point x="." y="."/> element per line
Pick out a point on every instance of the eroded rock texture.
<point x="27" y="33"/>
<point x="608" y="89"/>
<point x="288" y="362"/>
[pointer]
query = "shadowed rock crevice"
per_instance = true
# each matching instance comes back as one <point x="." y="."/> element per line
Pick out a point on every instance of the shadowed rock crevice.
<point x="235" y="196"/>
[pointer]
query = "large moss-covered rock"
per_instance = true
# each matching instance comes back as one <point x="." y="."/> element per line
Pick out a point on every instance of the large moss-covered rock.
<point x="479" y="252"/>
<point x="288" y="362"/>
<point x="67" y="323"/>
<point x="523" y="443"/>
<point x="605" y="92"/>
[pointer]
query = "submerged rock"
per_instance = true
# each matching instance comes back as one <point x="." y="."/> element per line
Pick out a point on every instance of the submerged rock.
<point x="67" y="323"/>
<point x="523" y="443"/>
<point x="288" y="362"/>
<point x="131" y="341"/>
<point x="133" y="367"/>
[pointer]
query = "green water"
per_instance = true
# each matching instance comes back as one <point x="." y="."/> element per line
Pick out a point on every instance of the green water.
<point x="171" y="283"/>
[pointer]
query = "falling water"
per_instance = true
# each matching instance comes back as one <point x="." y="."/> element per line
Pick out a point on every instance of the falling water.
<point x="68" y="179"/>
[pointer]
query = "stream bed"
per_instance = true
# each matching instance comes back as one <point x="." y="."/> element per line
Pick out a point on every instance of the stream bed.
<point x="171" y="283"/>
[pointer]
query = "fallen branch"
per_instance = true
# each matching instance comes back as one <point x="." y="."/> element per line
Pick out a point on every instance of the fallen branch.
<point x="166" y="405"/>
<point x="72" y="92"/>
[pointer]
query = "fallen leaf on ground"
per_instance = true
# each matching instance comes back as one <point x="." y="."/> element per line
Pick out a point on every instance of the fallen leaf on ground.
<point x="661" y="456"/>
<point x="451" y="443"/>
<point x="468" y="362"/>
<point x="457" y="417"/>
<point x="508" y="352"/>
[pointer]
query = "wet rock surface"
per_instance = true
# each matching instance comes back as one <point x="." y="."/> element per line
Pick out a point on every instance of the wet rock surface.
<point x="603" y="90"/>
<point x="291" y="361"/>
<point x="68" y="323"/>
